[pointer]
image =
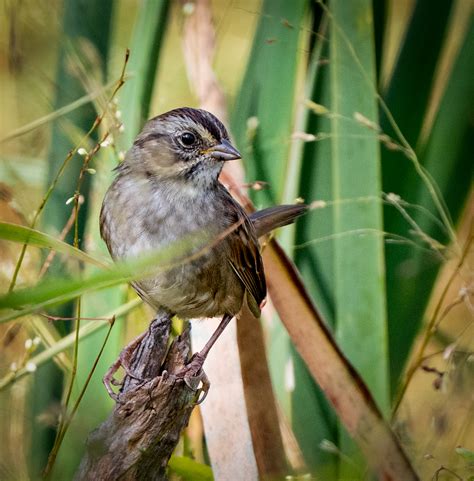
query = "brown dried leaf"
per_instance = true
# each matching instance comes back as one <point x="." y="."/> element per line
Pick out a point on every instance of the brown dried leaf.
<point x="341" y="384"/>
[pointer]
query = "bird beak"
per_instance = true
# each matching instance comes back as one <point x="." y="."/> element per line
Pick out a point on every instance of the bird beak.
<point x="224" y="151"/>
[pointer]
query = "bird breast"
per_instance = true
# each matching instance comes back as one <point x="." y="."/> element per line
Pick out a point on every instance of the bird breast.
<point x="142" y="215"/>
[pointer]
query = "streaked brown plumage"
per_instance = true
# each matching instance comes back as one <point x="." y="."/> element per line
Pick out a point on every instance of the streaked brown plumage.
<point x="167" y="189"/>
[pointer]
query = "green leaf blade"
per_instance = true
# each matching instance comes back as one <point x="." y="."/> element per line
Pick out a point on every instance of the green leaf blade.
<point x="267" y="95"/>
<point x="359" y="258"/>
<point x="359" y="275"/>
<point x="25" y="235"/>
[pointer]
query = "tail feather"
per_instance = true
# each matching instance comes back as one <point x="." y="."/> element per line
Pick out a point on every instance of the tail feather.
<point x="268" y="219"/>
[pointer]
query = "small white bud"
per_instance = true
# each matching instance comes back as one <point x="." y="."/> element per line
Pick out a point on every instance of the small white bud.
<point x="121" y="128"/>
<point x="449" y="351"/>
<point x="13" y="366"/>
<point x="318" y="204"/>
<point x="31" y="367"/>
<point x="118" y="114"/>
<point x="328" y="446"/>
<point x="362" y="119"/>
<point x="82" y="151"/>
<point x="36" y="341"/>
<point x="463" y="292"/>
<point x="252" y="123"/>
<point x="70" y="199"/>
<point x="28" y="344"/>
<point x="304" y="136"/>
<point x="258" y="185"/>
<point x="106" y="142"/>
<point x="91" y="171"/>
<point x="394" y="198"/>
<point x="188" y="8"/>
<point x="121" y="156"/>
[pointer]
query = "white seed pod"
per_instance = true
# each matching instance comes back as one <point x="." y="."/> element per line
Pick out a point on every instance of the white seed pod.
<point x="31" y="367"/>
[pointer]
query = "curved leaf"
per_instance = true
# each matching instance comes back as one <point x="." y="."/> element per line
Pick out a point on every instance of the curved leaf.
<point x="59" y="290"/>
<point x="25" y="235"/>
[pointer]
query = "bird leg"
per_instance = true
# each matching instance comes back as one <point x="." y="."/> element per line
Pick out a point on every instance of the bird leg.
<point x="123" y="361"/>
<point x="194" y="366"/>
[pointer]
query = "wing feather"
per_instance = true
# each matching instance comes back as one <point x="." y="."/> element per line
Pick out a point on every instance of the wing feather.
<point x="245" y="258"/>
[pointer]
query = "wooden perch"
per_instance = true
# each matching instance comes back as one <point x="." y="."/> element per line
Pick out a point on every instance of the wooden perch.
<point x="139" y="436"/>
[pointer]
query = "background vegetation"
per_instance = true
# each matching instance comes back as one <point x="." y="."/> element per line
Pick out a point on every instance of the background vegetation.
<point x="363" y="108"/>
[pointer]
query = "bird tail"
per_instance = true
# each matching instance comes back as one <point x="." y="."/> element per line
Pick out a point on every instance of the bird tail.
<point x="268" y="219"/>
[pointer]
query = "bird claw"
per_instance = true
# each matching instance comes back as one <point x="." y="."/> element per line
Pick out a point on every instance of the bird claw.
<point x="193" y="375"/>
<point x="206" y="384"/>
<point x="193" y="383"/>
<point x="128" y="370"/>
<point x="123" y="361"/>
<point x="109" y="379"/>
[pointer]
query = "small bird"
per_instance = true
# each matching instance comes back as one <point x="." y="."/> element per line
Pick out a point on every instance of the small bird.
<point x="167" y="189"/>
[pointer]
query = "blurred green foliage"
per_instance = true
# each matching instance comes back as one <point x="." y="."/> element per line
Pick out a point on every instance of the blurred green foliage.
<point x="306" y="93"/>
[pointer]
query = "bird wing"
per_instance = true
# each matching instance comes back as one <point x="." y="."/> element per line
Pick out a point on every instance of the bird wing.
<point x="245" y="259"/>
<point x="245" y="255"/>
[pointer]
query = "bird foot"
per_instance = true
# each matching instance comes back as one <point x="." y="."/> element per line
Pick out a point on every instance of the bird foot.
<point x="110" y="381"/>
<point x="123" y="361"/>
<point x="193" y="375"/>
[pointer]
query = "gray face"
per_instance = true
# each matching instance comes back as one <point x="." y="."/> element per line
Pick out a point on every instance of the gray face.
<point x="188" y="144"/>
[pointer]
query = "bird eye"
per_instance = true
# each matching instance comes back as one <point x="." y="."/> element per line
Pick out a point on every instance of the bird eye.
<point x="188" y="139"/>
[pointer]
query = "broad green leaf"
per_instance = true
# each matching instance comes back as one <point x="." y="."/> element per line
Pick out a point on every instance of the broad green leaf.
<point x="447" y="155"/>
<point x="314" y="234"/>
<point x="267" y="95"/>
<point x="358" y="259"/>
<point x="359" y="276"/>
<point x="312" y="419"/>
<point x="19" y="233"/>
<point x="413" y="77"/>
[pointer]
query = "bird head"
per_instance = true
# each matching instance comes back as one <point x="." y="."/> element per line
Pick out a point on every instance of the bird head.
<point x="187" y="144"/>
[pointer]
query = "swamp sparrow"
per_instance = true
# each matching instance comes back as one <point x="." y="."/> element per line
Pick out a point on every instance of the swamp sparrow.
<point x="166" y="189"/>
